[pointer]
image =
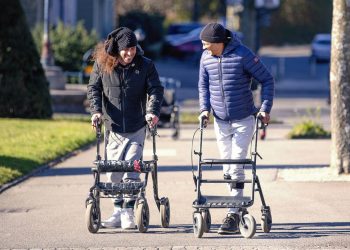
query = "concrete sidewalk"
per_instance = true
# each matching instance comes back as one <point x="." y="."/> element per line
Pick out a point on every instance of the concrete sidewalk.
<point x="47" y="210"/>
<point x="309" y="203"/>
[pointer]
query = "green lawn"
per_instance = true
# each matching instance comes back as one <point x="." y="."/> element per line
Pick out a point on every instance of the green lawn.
<point x="27" y="144"/>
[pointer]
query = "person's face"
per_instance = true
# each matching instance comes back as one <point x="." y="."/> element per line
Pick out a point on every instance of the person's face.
<point x="215" y="49"/>
<point x="127" y="55"/>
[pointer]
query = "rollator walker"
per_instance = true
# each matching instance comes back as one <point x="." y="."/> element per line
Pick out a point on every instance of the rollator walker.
<point x="134" y="189"/>
<point x="202" y="204"/>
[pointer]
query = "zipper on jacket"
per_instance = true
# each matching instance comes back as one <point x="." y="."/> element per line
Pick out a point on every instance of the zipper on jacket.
<point x="143" y="113"/>
<point x="222" y="85"/>
<point x="123" y="96"/>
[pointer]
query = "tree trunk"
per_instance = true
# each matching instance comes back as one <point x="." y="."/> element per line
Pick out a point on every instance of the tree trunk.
<point x="340" y="87"/>
<point x="196" y="11"/>
<point x="248" y="22"/>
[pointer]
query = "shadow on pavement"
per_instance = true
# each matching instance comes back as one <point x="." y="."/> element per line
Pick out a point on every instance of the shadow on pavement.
<point x="153" y="229"/>
<point x="84" y="171"/>
<point x="278" y="231"/>
<point x="21" y="164"/>
<point x="306" y="230"/>
<point x="291" y="231"/>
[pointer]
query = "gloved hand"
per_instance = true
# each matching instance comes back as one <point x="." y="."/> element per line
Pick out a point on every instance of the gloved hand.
<point x="152" y="120"/>
<point x="205" y="115"/>
<point x="265" y="117"/>
<point x="96" y="119"/>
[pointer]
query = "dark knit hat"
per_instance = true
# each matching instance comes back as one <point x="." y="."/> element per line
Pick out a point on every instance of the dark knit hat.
<point x="214" y="33"/>
<point x="122" y="38"/>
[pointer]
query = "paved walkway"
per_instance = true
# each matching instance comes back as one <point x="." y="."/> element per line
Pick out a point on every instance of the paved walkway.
<point x="309" y="204"/>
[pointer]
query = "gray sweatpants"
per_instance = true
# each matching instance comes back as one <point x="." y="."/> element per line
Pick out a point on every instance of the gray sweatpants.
<point x="233" y="139"/>
<point x="125" y="146"/>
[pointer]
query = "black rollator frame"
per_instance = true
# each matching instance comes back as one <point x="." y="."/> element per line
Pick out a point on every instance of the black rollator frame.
<point x="202" y="204"/>
<point x="135" y="189"/>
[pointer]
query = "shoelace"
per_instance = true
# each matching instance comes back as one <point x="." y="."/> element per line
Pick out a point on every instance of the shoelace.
<point x="227" y="219"/>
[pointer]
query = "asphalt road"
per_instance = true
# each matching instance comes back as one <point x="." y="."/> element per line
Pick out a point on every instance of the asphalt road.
<point x="310" y="205"/>
<point x="290" y="66"/>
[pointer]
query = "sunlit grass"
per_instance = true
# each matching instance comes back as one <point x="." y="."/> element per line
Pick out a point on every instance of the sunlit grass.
<point x="27" y="144"/>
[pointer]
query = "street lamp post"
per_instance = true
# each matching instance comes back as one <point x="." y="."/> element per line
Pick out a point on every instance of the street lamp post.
<point x="46" y="53"/>
<point x="54" y="74"/>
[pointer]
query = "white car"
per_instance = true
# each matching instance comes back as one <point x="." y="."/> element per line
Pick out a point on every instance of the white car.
<point x="321" y="48"/>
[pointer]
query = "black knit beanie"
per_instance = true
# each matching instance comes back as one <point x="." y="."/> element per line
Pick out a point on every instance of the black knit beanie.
<point x="214" y="33"/>
<point x="122" y="38"/>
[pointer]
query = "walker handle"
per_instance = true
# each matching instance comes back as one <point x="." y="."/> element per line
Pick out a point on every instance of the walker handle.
<point x="98" y="125"/>
<point x="149" y="122"/>
<point x="261" y="124"/>
<point x="203" y="121"/>
<point x="152" y="129"/>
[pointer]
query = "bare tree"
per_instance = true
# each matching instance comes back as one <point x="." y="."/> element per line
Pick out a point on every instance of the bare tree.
<point x="340" y="87"/>
<point x="144" y="5"/>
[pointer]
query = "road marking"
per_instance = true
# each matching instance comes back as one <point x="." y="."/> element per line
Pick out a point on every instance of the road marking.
<point x="160" y="152"/>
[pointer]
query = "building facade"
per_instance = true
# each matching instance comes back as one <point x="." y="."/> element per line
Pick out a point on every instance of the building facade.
<point x="97" y="15"/>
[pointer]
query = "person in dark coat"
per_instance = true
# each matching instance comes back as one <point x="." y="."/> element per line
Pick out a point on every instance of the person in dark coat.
<point x="226" y="70"/>
<point x="124" y="91"/>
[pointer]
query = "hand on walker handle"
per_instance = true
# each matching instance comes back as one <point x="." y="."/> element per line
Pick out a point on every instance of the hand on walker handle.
<point x="96" y="120"/>
<point x="264" y="117"/>
<point x="152" y="120"/>
<point x="204" y="118"/>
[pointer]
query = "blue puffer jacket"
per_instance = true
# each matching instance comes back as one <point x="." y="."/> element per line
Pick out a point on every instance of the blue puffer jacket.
<point x="224" y="82"/>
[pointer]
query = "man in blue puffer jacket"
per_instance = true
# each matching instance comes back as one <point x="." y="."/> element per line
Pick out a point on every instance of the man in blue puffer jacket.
<point x="226" y="70"/>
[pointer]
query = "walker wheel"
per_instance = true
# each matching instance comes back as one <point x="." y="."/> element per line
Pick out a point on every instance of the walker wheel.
<point x="142" y="216"/>
<point x="165" y="212"/>
<point x="198" y="225"/>
<point x="93" y="217"/>
<point x="247" y="226"/>
<point x="266" y="220"/>
<point x="206" y="220"/>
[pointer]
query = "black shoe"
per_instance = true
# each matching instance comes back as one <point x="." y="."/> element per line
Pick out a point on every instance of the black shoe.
<point x="230" y="225"/>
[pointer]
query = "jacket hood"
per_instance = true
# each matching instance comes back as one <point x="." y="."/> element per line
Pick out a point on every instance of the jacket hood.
<point x="233" y="43"/>
<point x="139" y="50"/>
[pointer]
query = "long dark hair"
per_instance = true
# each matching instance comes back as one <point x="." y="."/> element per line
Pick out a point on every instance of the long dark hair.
<point x="106" y="62"/>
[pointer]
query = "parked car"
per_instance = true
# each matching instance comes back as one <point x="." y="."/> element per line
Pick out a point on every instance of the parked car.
<point x="87" y="65"/>
<point x="186" y="45"/>
<point x="321" y="48"/>
<point x="182" y="28"/>
<point x="182" y="45"/>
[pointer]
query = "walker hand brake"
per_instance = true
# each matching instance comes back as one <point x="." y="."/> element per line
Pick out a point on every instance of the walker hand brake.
<point x="203" y="122"/>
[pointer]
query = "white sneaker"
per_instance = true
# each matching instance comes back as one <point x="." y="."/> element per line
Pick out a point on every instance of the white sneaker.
<point x="114" y="220"/>
<point x="127" y="218"/>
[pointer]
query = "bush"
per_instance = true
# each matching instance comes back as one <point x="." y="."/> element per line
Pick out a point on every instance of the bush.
<point x="68" y="44"/>
<point x="308" y="130"/>
<point x="294" y="22"/>
<point x="24" y="88"/>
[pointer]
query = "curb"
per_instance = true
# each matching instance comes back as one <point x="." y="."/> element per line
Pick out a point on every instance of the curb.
<point x="48" y="165"/>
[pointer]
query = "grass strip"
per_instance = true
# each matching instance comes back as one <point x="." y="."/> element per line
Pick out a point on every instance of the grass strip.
<point x="27" y="144"/>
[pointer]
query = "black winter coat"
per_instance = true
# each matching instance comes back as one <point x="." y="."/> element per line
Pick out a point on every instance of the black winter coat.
<point x="121" y="96"/>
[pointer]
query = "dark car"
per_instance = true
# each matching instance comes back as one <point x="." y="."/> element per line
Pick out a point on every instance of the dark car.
<point x="187" y="45"/>
<point x="182" y="45"/>
<point x="182" y="28"/>
<point x="87" y="65"/>
<point x="181" y="39"/>
<point x="321" y="47"/>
